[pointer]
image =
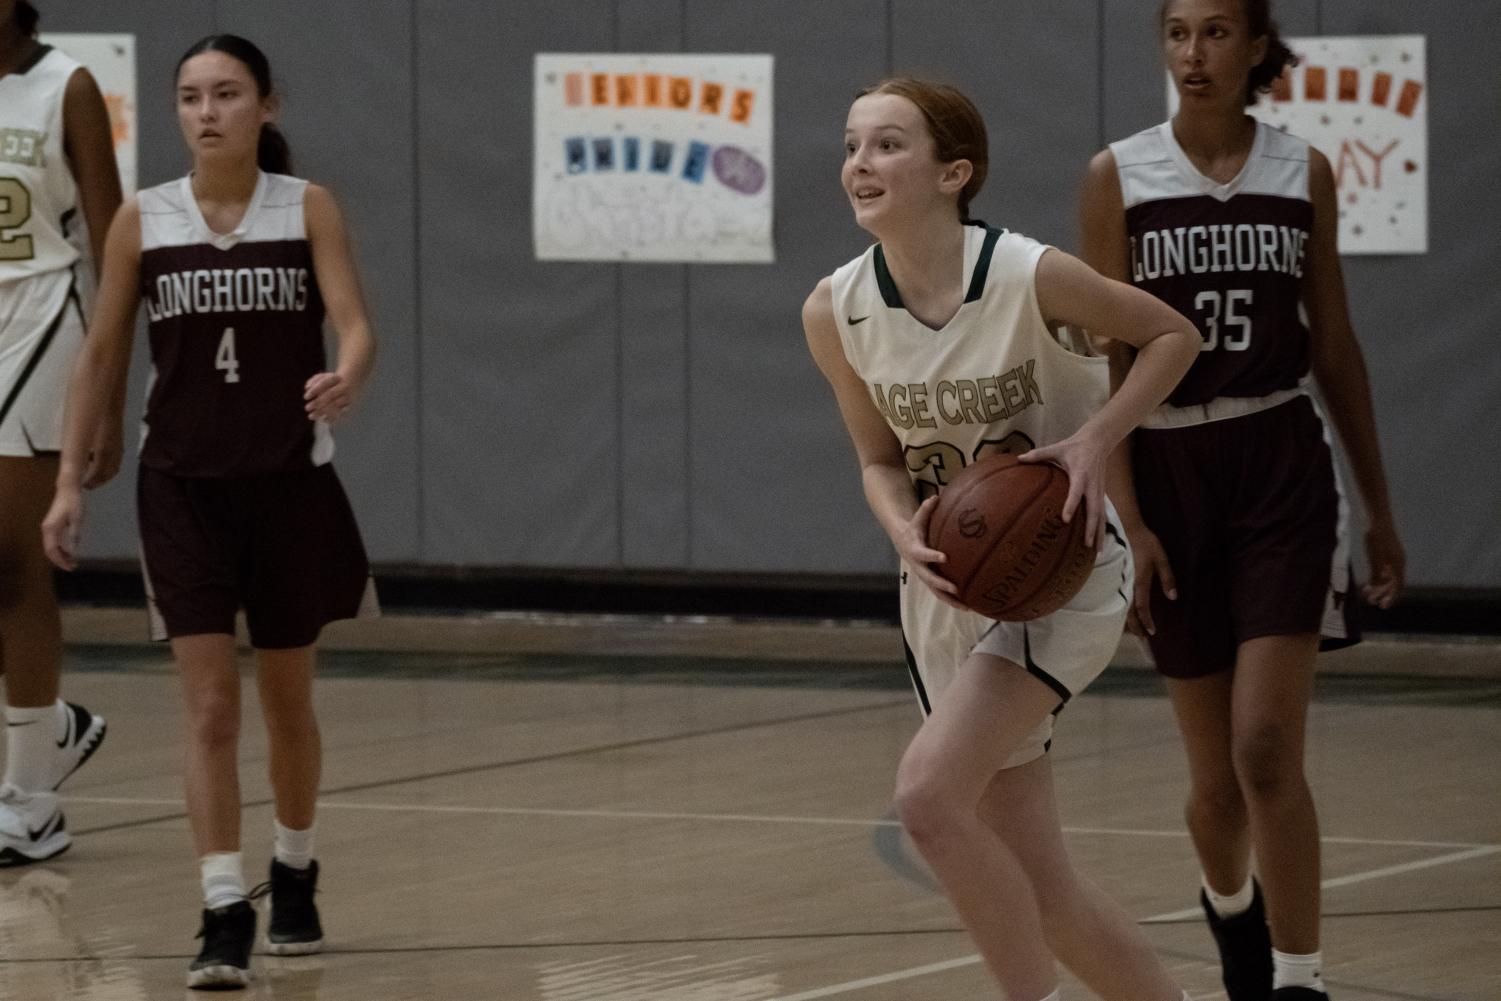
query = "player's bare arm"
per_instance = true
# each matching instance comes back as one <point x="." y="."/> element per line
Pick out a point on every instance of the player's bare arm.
<point x="91" y="158"/>
<point x="888" y="487"/>
<point x="1069" y="291"/>
<point x="100" y="365"/>
<point x="1338" y="364"/>
<point x="329" y="395"/>
<point x="1104" y="246"/>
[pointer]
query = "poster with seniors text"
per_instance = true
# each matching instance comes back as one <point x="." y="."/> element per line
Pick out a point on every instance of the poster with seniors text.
<point x="646" y="157"/>
<point x="1362" y="102"/>
<point x="111" y="59"/>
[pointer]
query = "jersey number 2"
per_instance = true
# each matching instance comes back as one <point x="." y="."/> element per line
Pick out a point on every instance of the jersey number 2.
<point x="1217" y="307"/>
<point x="15" y="209"/>
<point x="224" y="359"/>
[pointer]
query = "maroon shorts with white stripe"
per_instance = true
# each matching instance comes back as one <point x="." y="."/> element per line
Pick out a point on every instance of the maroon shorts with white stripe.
<point x="282" y="546"/>
<point x="1249" y="513"/>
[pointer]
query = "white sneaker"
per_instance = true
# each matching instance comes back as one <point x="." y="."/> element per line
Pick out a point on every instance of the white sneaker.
<point x="31" y="827"/>
<point x="83" y="734"/>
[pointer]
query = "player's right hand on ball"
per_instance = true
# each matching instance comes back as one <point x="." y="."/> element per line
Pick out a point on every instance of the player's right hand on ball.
<point x="61" y="527"/>
<point x="1151" y="564"/>
<point x="912" y="546"/>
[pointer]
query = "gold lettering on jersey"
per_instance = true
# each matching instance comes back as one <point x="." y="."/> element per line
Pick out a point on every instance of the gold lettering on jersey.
<point x="227" y="290"/>
<point x="23" y="146"/>
<point x="1210" y="250"/>
<point x="908" y="405"/>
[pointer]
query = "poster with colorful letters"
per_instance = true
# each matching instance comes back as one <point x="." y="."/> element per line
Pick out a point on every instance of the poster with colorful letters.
<point x="1363" y="102"/>
<point x="648" y="157"/>
<point x="111" y="59"/>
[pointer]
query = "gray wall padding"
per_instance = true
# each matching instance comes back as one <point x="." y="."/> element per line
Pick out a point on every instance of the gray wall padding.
<point x="667" y="417"/>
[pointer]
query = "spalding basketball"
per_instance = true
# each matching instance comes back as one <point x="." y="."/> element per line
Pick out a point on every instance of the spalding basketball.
<point x="1010" y="554"/>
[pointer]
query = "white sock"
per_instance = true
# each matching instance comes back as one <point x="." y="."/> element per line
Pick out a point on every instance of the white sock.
<point x="1289" y="970"/>
<point x="1057" y="995"/>
<point x="31" y="744"/>
<point x="294" y="848"/>
<point x="223" y="876"/>
<point x="1228" y="905"/>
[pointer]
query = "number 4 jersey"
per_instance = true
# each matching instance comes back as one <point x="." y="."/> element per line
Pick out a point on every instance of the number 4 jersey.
<point x="236" y="323"/>
<point x="1229" y="256"/>
<point x="994" y="378"/>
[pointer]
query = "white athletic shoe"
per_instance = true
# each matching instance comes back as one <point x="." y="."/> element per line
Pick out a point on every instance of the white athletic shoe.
<point x="83" y="734"/>
<point x="31" y="827"/>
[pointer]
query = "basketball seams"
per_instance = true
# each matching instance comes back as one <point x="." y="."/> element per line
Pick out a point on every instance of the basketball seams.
<point x="998" y="535"/>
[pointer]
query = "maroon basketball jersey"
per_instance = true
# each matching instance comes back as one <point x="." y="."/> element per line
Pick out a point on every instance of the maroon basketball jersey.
<point x="236" y="324"/>
<point x="1228" y="256"/>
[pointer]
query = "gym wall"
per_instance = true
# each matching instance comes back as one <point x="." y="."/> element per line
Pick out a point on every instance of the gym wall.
<point x="667" y="417"/>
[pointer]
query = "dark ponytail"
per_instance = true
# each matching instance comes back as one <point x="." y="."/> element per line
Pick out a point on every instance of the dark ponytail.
<point x="273" y="155"/>
<point x="26" y="18"/>
<point x="1278" y="55"/>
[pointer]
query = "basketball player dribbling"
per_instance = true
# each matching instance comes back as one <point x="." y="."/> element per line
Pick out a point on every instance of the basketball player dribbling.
<point x="57" y="163"/>
<point x="238" y="506"/>
<point x="942" y="342"/>
<point x="1235" y="513"/>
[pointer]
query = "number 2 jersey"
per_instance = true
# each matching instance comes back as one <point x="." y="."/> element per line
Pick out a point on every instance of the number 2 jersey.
<point x="41" y="315"/>
<point x="994" y="378"/>
<point x="1228" y="256"/>
<point x="236" y="326"/>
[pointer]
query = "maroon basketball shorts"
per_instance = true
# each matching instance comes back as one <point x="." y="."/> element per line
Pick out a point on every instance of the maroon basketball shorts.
<point x="282" y="546"/>
<point x="1250" y="515"/>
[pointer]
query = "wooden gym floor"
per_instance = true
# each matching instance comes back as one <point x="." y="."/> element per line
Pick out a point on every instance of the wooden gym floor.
<point x="537" y="809"/>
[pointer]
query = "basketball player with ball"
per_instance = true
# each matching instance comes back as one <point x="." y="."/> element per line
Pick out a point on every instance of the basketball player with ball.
<point x="945" y="343"/>
<point x="1235" y="513"/>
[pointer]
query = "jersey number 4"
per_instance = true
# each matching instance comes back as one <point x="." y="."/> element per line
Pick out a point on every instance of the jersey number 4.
<point x="1224" y="309"/>
<point x="15" y="209"/>
<point x="224" y="359"/>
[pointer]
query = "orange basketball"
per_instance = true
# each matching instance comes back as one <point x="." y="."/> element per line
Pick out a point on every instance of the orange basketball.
<point x="1012" y="557"/>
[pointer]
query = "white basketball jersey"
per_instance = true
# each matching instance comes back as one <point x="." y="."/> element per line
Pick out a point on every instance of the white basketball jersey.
<point x="37" y="193"/>
<point x="995" y="378"/>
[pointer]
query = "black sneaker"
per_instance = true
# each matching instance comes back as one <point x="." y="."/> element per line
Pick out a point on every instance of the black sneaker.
<point x="223" y="964"/>
<point x="1299" y="994"/>
<point x="1245" y="946"/>
<point x="294" y="929"/>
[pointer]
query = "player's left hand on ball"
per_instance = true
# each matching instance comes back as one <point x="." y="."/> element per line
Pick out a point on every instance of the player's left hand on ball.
<point x="1085" y="464"/>
<point x="328" y="397"/>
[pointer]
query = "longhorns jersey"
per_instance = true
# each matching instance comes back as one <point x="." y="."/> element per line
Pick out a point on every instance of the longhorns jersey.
<point x="994" y="378"/>
<point x="236" y="325"/>
<point x="1229" y="256"/>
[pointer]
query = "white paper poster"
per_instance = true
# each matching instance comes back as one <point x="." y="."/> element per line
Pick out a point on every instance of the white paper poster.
<point x="1363" y="102"/>
<point x="112" y="61"/>
<point x="646" y="157"/>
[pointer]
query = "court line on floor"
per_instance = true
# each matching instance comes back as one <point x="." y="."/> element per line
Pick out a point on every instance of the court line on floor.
<point x="1478" y="851"/>
<point x="1465" y="849"/>
<point x="850" y="987"/>
<point x="535" y="759"/>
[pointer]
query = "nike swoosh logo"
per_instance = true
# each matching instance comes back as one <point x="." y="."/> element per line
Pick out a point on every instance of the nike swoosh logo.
<point x="853" y="321"/>
<point x="36" y="834"/>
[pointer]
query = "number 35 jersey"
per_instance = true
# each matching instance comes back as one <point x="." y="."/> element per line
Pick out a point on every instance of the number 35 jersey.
<point x="1229" y="256"/>
<point x="236" y="325"/>
<point x="994" y="378"/>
